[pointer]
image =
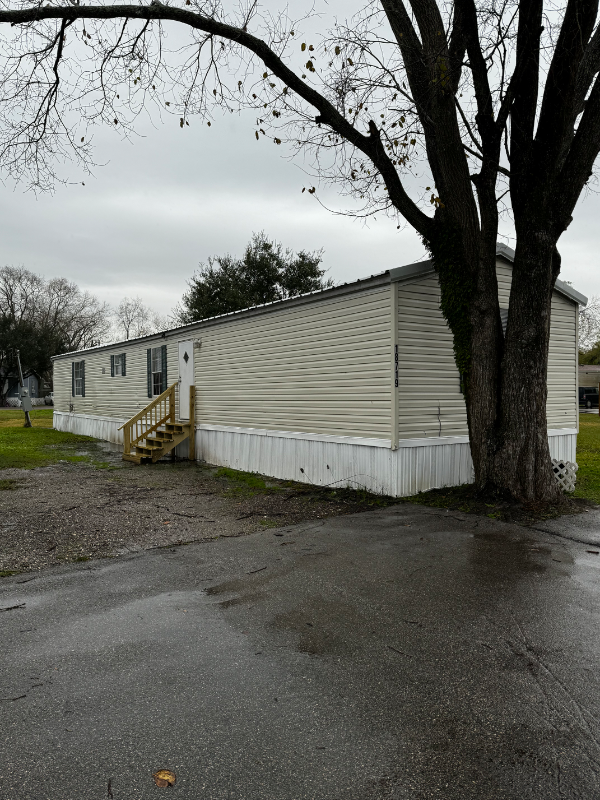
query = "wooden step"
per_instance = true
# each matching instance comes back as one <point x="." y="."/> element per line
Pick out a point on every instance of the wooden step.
<point x="176" y="427"/>
<point x="152" y="441"/>
<point x="163" y="436"/>
<point x="131" y="457"/>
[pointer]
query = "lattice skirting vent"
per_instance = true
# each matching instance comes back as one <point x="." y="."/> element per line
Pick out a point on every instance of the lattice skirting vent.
<point x="15" y="402"/>
<point x="565" y="473"/>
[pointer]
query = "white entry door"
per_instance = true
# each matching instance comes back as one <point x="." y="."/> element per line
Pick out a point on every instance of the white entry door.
<point x="186" y="377"/>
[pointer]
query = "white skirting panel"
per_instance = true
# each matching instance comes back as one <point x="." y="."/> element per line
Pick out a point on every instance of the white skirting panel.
<point x="323" y="463"/>
<point x="399" y="473"/>
<point x="563" y="444"/>
<point x="432" y="467"/>
<point x="105" y="428"/>
<point x="417" y="464"/>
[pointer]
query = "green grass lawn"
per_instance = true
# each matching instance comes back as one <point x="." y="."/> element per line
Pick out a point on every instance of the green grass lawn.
<point x="588" y="458"/>
<point x="14" y="417"/>
<point x="25" y="448"/>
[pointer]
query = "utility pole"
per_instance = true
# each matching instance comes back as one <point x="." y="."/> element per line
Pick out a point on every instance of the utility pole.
<point x="25" y="399"/>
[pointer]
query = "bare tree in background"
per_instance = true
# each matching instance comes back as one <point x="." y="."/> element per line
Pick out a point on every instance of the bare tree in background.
<point x="42" y="318"/>
<point x="485" y="107"/>
<point x="134" y="319"/>
<point x="589" y="324"/>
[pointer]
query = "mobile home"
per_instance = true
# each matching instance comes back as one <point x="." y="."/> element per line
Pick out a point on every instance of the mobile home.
<point x="351" y="386"/>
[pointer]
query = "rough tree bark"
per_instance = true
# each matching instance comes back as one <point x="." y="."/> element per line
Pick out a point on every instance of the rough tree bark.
<point x="551" y="146"/>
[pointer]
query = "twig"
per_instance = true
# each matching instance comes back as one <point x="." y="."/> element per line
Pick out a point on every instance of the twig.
<point x="11" y="608"/>
<point x="255" y="570"/>
<point x="398" y="651"/>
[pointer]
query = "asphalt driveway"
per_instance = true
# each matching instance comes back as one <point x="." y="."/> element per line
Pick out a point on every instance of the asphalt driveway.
<point x="403" y="653"/>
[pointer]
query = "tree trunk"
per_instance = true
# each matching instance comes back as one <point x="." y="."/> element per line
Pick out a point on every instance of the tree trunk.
<point x="506" y="386"/>
<point x="522" y="465"/>
<point x="482" y="389"/>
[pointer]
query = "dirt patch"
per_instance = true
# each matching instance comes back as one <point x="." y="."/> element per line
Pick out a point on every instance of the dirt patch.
<point x="77" y="511"/>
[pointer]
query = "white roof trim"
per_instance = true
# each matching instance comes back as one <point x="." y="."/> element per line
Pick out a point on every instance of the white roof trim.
<point x="422" y="268"/>
<point x="411" y="270"/>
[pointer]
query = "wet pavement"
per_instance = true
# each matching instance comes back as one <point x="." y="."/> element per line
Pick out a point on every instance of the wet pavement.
<point x="402" y="653"/>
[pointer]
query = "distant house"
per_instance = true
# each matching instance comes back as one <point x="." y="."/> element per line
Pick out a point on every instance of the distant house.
<point x="589" y="375"/>
<point x="33" y="384"/>
<point x="354" y="385"/>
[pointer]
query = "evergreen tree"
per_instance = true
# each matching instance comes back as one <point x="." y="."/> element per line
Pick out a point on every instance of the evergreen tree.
<point x="264" y="274"/>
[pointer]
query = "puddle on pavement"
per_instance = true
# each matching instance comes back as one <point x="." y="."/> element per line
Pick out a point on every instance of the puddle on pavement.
<point x="496" y="557"/>
<point x="323" y="627"/>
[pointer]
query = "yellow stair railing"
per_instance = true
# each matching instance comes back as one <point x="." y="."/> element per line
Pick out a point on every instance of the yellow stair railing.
<point x="160" y="411"/>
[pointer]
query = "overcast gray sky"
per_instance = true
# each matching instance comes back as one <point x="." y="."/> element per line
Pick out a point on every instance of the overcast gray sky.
<point x="169" y="200"/>
<point x="162" y="204"/>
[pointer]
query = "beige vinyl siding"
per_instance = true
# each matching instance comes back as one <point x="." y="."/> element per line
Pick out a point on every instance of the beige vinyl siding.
<point x="504" y="277"/>
<point x="562" y="405"/>
<point x="121" y="396"/>
<point x="429" y="397"/>
<point x="321" y="368"/>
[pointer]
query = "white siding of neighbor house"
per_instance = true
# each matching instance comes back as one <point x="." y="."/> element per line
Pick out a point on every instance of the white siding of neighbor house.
<point x="588" y="376"/>
<point x="321" y="368"/>
<point x="430" y="401"/>
<point x="121" y="396"/>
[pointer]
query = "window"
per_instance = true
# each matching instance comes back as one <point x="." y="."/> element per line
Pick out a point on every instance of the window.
<point x="78" y="388"/>
<point x="157" y="371"/>
<point x="117" y="365"/>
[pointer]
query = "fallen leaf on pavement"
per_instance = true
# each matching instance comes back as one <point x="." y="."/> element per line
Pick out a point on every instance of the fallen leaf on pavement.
<point x="164" y="777"/>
